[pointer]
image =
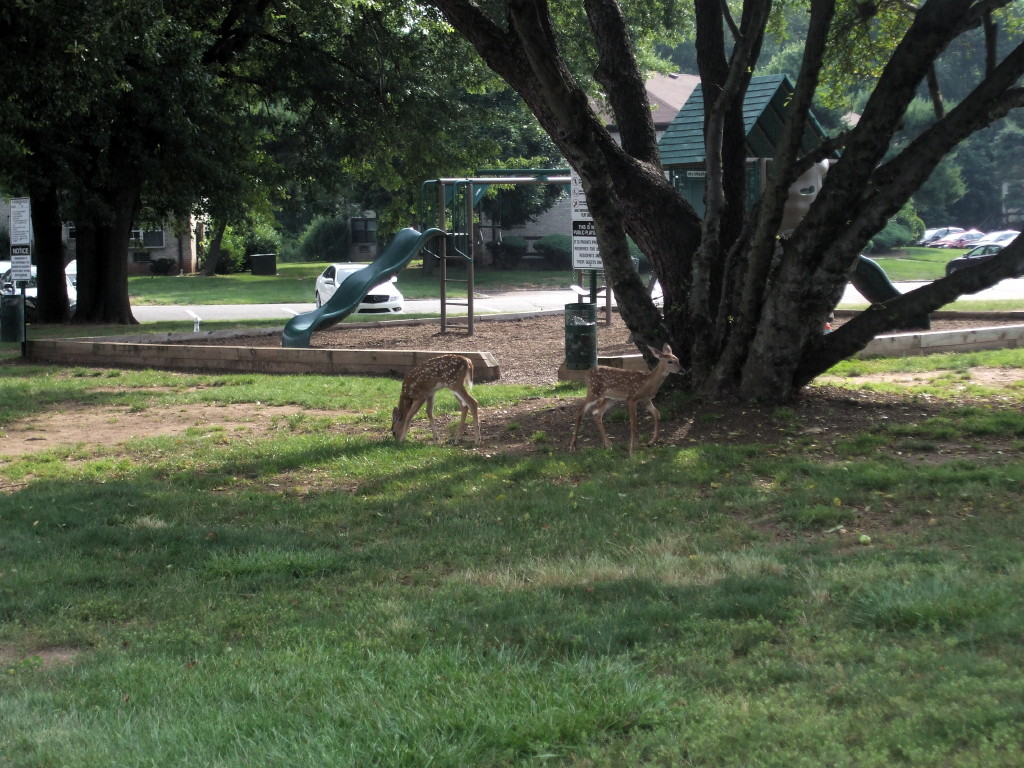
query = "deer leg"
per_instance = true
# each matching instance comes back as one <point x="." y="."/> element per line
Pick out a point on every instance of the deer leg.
<point x="587" y="405"/>
<point x="602" y="407"/>
<point x="467" y="403"/>
<point x="406" y="420"/>
<point x="430" y="415"/>
<point x="474" y="409"/>
<point x="656" y="415"/>
<point x="631" y="404"/>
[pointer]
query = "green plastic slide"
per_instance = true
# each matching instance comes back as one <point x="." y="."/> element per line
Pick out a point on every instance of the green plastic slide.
<point x="399" y="252"/>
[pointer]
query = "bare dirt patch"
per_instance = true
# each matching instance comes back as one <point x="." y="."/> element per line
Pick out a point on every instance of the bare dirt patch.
<point x="92" y="425"/>
<point x="991" y="377"/>
<point x="11" y="657"/>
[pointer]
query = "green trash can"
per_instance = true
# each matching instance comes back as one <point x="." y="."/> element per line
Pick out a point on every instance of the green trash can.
<point x="580" y="336"/>
<point x="12" y="318"/>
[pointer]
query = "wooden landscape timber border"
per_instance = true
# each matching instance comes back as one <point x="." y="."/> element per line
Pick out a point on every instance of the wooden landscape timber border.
<point x="157" y="351"/>
<point x="224" y="359"/>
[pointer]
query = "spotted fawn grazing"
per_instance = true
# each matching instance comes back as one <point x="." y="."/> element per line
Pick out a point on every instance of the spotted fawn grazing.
<point x="419" y="386"/>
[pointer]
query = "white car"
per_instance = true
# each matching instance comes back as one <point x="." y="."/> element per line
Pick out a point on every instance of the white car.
<point x="931" y="235"/>
<point x="1003" y="237"/>
<point x="382" y="299"/>
<point x="31" y="291"/>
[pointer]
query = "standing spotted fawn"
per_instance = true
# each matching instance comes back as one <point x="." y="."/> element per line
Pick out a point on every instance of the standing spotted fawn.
<point x="606" y="386"/>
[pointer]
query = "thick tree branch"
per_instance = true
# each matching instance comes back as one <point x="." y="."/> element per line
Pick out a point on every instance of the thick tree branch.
<point x="493" y="44"/>
<point x="730" y="22"/>
<point x="854" y="335"/>
<point x="783" y="172"/>
<point x="724" y="183"/>
<point x="992" y="99"/>
<point x="243" y="21"/>
<point x="855" y="192"/>
<point x="623" y="82"/>
<point x="935" y="93"/>
<point x="991" y="41"/>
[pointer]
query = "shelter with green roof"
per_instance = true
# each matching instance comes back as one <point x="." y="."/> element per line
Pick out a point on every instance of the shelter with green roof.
<point x="765" y="109"/>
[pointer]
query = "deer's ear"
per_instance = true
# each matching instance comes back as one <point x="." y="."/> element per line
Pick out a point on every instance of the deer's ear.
<point x="654" y="351"/>
<point x="666" y="350"/>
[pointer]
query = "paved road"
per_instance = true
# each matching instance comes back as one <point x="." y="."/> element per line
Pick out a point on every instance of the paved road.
<point x="485" y="303"/>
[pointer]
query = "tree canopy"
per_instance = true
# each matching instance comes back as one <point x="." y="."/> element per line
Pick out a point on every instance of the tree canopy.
<point x="218" y="107"/>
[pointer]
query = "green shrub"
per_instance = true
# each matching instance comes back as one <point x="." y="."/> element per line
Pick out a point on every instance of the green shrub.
<point x="507" y="253"/>
<point x="895" y="235"/>
<point x="162" y="266"/>
<point x="326" y="239"/>
<point x="556" y="250"/>
<point x="263" y="239"/>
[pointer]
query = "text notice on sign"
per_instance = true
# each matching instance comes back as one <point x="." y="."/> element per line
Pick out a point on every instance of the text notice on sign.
<point x="585" y="253"/>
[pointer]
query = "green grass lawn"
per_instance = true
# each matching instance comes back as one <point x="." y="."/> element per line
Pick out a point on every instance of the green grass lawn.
<point x="312" y="594"/>
<point x="917" y="263"/>
<point x="294" y="283"/>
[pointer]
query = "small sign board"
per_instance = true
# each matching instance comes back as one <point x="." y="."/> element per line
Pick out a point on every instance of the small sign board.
<point x="585" y="253"/>
<point x="580" y="210"/>
<point x="21" y="221"/>
<point x="21" y="263"/>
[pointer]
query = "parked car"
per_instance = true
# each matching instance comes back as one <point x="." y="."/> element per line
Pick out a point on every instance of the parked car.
<point x="384" y="298"/>
<point x="976" y="255"/>
<point x="31" y="291"/>
<point x="931" y="235"/>
<point x="1002" y="237"/>
<point x="958" y="239"/>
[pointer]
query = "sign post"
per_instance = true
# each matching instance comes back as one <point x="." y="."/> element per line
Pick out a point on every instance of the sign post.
<point x="21" y="254"/>
<point x="586" y="255"/>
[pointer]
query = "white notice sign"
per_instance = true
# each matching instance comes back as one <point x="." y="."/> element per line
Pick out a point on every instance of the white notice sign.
<point x="21" y="263"/>
<point x="21" y="221"/>
<point x="585" y="253"/>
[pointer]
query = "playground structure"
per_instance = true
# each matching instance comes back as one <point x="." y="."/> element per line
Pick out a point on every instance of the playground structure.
<point x="400" y="251"/>
<point x="450" y="205"/>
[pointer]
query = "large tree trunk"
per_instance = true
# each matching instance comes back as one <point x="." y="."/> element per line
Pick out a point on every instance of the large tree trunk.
<point x="52" y="294"/>
<point x="744" y="309"/>
<point x="213" y="253"/>
<point x="102" y="244"/>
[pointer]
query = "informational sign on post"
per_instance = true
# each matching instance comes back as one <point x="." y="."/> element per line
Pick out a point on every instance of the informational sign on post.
<point x="21" y="239"/>
<point x="585" y="253"/>
<point x="21" y="221"/>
